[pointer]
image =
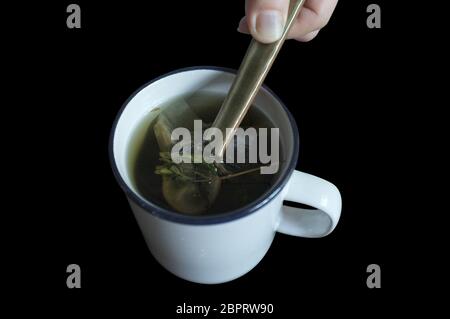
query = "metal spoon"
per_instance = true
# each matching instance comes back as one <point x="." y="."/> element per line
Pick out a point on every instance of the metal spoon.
<point x="251" y="74"/>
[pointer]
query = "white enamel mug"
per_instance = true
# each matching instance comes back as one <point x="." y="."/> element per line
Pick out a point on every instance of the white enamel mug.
<point x="219" y="248"/>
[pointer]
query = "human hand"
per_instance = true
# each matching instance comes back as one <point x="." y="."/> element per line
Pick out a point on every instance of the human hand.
<point x="265" y="19"/>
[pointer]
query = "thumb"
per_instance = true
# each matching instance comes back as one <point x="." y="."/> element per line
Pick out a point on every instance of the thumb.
<point x="266" y="18"/>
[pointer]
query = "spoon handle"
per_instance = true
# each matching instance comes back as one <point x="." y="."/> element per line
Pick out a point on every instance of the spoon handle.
<point x="251" y="74"/>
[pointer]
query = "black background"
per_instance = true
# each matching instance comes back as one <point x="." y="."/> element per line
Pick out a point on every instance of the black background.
<point x="341" y="87"/>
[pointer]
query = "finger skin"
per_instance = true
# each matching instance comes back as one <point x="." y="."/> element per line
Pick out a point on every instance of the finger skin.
<point x="254" y="8"/>
<point x="314" y="15"/>
<point x="307" y="37"/>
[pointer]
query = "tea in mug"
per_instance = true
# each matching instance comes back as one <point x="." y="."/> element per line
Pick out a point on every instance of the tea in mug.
<point x="193" y="187"/>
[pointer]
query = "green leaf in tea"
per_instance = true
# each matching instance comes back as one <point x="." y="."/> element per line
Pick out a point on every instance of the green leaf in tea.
<point x="189" y="188"/>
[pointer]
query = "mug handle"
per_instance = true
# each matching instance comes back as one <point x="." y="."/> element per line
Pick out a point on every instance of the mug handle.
<point x="316" y="192"/>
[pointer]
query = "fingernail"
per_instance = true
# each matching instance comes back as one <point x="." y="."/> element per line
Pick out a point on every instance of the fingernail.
<point x="269" y="26"/>
<point x="242" y="24"/>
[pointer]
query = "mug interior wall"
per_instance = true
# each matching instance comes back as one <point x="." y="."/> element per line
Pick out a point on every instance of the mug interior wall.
<point x="187" y="82"/>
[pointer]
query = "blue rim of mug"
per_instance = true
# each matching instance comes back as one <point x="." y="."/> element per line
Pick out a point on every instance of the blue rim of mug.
<point x="224" y="217"/>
